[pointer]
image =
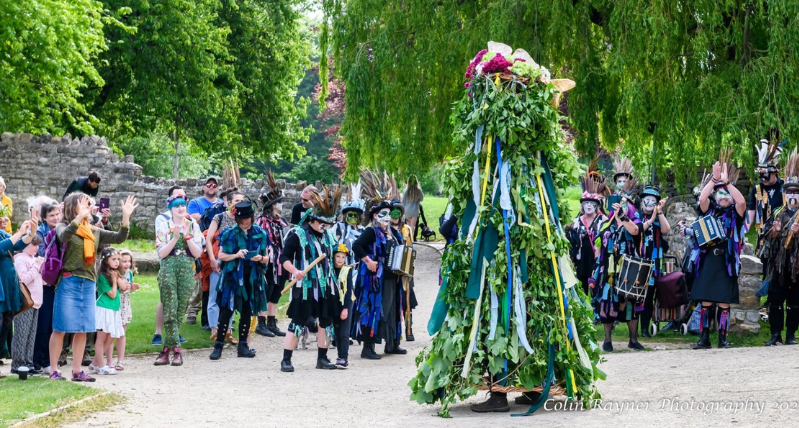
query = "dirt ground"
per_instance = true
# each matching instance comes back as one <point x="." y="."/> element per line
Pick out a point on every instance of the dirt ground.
<point x="660" y="388"/>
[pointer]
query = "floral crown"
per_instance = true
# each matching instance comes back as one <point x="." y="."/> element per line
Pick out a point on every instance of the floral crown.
<point x="108" y="253"/>
<point x="173" y="198"/>
<point x="342" y="248"/>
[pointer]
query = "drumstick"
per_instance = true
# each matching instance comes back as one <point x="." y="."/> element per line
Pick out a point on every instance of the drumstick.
<point x="306" y="270"/>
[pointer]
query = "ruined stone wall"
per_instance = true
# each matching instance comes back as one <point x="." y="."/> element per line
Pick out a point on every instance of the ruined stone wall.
<point x="45" y="165"/>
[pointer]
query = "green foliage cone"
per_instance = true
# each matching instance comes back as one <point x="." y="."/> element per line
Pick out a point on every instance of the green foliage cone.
<point x="528" y="125"/>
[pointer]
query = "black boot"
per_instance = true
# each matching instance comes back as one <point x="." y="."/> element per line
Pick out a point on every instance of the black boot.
<point x="724" y="326"/>
<point x="704" y="325"/>
<point x="271" y="325"/>
<point x="497" y="402"/>
<point x="244" y="351"/>
<point x="368" y="351"/>
<point x="527" y="398"/>
<point x="409" y="337"/>
<point x="322" y="362"/>
<point x="775" y="339"/>
<point x="217" y="352"/>
<point x="396" y="350"/>
<point x="285" y="364"/>
<point x="262" y="329"/>
<point x="790" y="339"/>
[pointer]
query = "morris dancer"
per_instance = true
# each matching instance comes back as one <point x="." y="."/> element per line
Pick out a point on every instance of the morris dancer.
<point x="378" y="290"/>
<point x="410" y="303"/>
<point x="349" y="228"/>
<point x="783" y="235"/>
<point x="271" y="222"/>
<point x="244" y="252"/>
<point x="620" y="236"/>
<point x="315" y="295"/>
<point x="653" y="246"/>
<point x="585" y="230"/>
<point x="717" y="267"/>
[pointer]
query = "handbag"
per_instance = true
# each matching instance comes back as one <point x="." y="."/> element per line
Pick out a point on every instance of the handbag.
<point x="27" y="300"/>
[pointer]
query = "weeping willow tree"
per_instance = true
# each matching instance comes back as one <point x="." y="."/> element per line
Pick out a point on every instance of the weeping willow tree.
<point x="709" y="73"/>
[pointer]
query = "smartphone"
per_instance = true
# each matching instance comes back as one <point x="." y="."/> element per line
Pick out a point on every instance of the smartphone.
<point x="105" y="203"/>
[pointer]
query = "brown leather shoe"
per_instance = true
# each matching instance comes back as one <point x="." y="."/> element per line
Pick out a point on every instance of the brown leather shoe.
<point x="177" y="358"/>
<point x="163" y="358"/>
<point x="229" y="337"/>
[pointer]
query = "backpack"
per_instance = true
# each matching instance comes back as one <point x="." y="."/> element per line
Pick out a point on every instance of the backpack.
<point x="209" y="214"/>
<point x="53" y="258"/>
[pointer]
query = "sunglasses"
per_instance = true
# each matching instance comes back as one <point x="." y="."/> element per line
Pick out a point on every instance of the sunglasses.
<point x="211" y="185"/>
<point x="352" y="215"/>
<point x="306" y="200"/>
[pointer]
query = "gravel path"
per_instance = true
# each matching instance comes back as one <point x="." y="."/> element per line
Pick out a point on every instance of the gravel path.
<point x="660" y="388"/>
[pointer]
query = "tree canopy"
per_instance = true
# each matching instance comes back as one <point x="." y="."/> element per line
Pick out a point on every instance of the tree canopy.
<point x="709" y="73"/>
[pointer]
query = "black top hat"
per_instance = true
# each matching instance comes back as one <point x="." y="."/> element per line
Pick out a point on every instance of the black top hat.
<point x="244" y="210"/>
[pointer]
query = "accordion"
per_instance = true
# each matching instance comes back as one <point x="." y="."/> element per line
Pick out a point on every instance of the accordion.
<point x="401" y="260"/>
<point x="709" y="231"/>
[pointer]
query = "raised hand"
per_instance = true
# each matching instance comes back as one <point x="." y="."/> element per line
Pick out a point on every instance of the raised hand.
<point x="128" y="205"/>
<point x="724" y="175"/>
<point x="716" y="171"/>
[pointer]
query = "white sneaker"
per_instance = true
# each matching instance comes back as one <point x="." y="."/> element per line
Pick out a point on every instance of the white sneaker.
<point x="46" y="370"/>
<point x="105" y="370"/>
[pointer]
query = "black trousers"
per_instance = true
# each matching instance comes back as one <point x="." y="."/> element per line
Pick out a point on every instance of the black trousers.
<point x="225" y="313"/>
<point x="204" y="309"/>
<point x="387" y="326"/>
<point x="783" y="300"/>
<point x="44" y="328"/>
<point x="649" y="306"/>
<point x="342" y="328"/>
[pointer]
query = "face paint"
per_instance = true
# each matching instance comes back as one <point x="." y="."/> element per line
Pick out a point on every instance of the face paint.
<point x="279" y="207"/>
<point x="589" y="207"/>
<point x="792" y="198"/>
<point x="383" y="217"/>
<point x="723" y="197"/>
<point x="649" y="203"/>
<point x="621" y="182"/>
<point x="352" y="218"/>
<point x="396" y="214"/>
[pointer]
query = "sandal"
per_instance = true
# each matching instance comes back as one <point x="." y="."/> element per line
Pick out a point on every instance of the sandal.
<point x="229" y="337"/>
<point x="119" y="366"/>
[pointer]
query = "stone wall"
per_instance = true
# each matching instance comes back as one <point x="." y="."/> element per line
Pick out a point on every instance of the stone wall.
<point x="45" y="165"/>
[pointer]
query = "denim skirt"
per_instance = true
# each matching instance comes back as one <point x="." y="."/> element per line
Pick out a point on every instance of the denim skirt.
<point x="74" y="306"/>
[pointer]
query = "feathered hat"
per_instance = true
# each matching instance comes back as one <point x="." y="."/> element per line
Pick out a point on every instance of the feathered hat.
<point x="768" y="156"/>
<point x="355" y="202"/>
<point x="732" y="171"/>
<point x="792" y="171"/>
<point x="593" y="184"/>
<point x="325" y="204"/>
<point x="274" y="194"/>
<point x="623" y="167"/>
<point x="378" y="190"/>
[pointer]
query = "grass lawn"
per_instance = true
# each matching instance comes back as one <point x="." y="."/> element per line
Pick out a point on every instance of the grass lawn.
<point x="19" y="400"/>
<point x="140" y="330"/>
<point x="138" y="245"/>
<point x="621" y="336"/>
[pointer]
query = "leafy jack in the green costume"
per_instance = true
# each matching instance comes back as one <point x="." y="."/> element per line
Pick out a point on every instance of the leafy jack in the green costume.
<point x="505" y="191"/>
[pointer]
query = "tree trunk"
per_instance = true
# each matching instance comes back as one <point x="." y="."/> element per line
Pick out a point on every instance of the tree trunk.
<point x="176" y="159"/>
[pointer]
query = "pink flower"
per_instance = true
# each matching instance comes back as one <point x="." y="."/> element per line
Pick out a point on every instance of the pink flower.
<point x="496" y="65"/>
<point x="477" y="59"/>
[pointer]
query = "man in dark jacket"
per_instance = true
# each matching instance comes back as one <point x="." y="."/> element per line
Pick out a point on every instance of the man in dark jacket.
<point x="89" y="185"/>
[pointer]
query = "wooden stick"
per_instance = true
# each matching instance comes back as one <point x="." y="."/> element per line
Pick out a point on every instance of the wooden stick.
<point x="790" y="233"/>
<point x="306" y="270"/>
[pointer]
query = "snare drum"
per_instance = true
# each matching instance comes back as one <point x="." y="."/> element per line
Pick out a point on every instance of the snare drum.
<point x="634" y="277"/>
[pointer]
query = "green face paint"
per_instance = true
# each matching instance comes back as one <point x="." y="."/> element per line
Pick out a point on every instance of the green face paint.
<point x="352" y="218"/>
<point x="395" y="214"/>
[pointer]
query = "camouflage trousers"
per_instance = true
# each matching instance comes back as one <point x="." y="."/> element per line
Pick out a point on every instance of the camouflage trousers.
<point x="176" y="283"/>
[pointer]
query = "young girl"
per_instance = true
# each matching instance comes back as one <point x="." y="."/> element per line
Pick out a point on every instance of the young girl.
<point x="108" y="319"/>
<point x="343" y="274"/>
<point x="127" y="266"/>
